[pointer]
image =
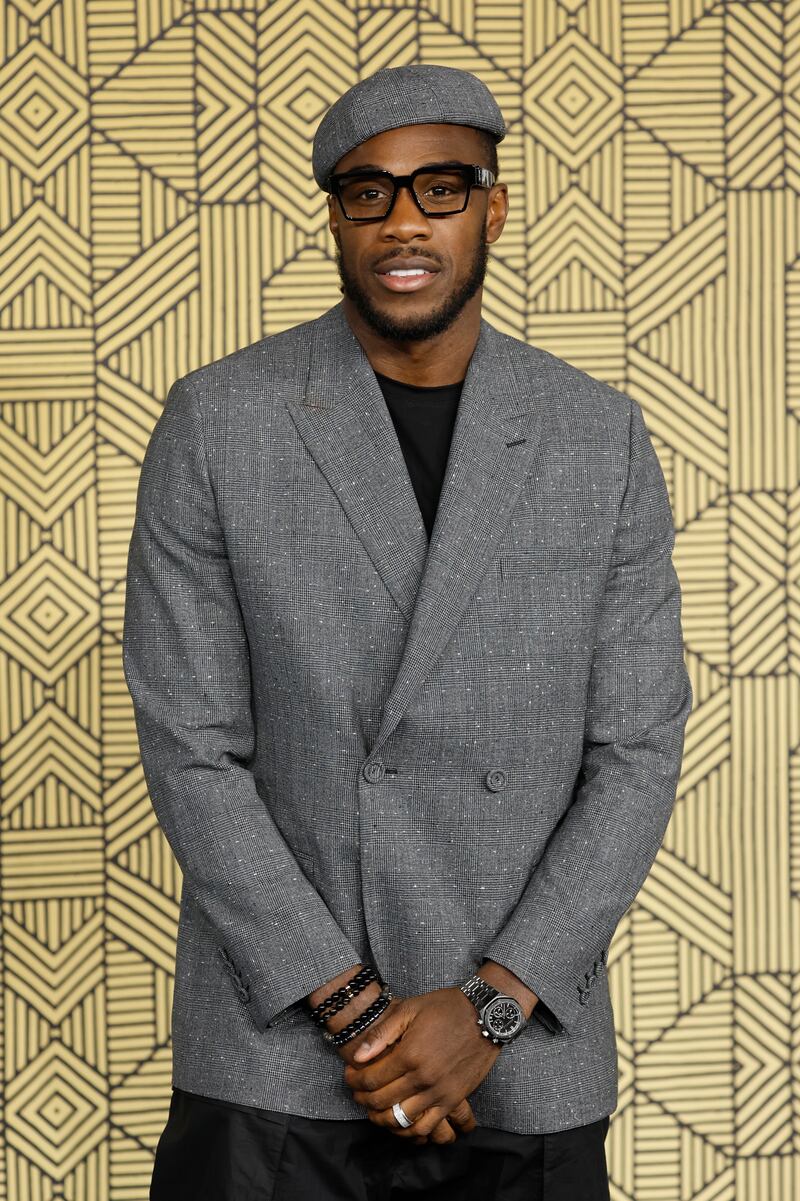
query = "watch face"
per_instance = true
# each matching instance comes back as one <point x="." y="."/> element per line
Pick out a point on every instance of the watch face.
<point x="503" y="1016"/>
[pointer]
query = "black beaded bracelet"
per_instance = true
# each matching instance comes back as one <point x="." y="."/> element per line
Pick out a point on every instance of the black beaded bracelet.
<point x="344" y="995"/>
<point x="369" y="1015"/>
<point x="351" y="988"/>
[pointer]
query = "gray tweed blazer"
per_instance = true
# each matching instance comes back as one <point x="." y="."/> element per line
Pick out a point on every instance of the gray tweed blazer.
<point x="362" y="748"/>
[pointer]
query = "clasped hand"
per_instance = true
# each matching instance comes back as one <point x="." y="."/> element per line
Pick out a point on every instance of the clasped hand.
<point x="428" y="1053"/>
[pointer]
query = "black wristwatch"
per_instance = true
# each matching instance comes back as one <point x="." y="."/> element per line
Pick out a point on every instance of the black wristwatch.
<point x="500" y="1017"/>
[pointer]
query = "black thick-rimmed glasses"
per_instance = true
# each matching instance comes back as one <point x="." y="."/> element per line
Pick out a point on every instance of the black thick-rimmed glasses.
<point x="439" y="189"/>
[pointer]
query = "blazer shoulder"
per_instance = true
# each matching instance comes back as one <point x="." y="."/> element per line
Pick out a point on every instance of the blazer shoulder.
<point x="573" y="394"/>
<point x="257" y="367"/>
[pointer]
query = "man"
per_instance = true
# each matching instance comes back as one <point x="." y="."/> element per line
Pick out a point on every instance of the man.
<point x="402" y="633"/>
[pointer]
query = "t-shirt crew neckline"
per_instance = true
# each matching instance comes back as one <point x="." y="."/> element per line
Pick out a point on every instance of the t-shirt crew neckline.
<point x="399" y="383"/>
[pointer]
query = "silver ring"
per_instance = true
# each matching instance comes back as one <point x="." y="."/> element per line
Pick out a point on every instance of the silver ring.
<point x="401" y="1115"/>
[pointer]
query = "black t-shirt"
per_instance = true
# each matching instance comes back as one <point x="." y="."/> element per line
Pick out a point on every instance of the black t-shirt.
<point x="424" y="419"/>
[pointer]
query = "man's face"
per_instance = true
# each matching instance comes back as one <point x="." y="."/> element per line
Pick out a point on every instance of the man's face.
<point x="455" y="247"/>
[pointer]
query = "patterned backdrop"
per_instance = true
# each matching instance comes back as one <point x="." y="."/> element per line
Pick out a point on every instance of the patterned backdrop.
<point x="157" y="210"/>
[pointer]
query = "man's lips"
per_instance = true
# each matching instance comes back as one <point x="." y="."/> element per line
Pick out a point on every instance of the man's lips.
<point x="406" y="283"/>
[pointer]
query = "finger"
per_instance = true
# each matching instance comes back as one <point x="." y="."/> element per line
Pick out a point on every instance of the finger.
<point x="462" y="1117"/>
<point x="424" y="1124"/>
<point x="383" y="1032"/>
<point x="385" y="1070"/>
<point x="386" y="1064"/>
<point x="443" y="1133"/>
<point x="386" y="1119"/>
<point x="425" y="1114"/>
<point x="384" y="1096"/>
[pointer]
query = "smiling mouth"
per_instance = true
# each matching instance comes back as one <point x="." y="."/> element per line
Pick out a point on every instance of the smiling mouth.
<point x="406" y="282"/>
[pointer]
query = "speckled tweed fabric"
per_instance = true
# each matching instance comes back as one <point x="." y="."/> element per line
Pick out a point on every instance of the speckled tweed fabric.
<point x="365" y="749"/>
<point x="414" y="94"/>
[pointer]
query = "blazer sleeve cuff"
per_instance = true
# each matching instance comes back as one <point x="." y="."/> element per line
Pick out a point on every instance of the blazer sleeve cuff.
<point x="560" y="1007"/>
<point x="284" y="996"/>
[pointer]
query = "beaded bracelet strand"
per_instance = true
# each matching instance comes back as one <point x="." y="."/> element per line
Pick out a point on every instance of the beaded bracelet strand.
<point x="369" y="1015"/>
<point x="342" y="996"/>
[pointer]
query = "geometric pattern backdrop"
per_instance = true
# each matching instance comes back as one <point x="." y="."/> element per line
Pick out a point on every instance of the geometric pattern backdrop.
<point x="157" y="210"/>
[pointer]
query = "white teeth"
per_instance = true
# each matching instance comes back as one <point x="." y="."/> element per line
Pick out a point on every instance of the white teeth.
<point x="411" y="271"/>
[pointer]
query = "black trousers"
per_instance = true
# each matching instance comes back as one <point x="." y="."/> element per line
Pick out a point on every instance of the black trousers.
<point x="212" y="1151"/>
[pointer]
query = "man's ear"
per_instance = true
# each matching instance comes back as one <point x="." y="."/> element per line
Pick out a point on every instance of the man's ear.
<point x="334" y="228"/>
<point x="496" y="213"/>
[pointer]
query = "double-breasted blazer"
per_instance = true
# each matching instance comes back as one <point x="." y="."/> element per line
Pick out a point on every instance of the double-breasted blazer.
<point x="363" y="747"/>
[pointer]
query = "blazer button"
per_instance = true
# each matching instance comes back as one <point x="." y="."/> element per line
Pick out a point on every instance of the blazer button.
<point x="373" y="771"/>
<point x="495" y="779"/>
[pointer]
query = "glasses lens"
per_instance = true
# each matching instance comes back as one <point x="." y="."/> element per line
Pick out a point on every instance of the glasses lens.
<point x="366" y="196"/>
<point x="441" y="191"/>
<point x="370" y="196"/>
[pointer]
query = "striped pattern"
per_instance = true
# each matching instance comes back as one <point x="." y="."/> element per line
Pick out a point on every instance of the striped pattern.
<point x="158" y="211"/>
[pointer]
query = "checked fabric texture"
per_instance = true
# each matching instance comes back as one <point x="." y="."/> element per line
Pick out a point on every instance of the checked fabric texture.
<point x="157" y="211"/>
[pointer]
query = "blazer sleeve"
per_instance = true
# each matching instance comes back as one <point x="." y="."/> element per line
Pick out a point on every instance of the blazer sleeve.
<point x="557" y="936"/>
<point x="186" y="663"/>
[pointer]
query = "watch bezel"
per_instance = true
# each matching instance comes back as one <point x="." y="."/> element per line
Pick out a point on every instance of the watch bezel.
<point x="503" y="1036"/>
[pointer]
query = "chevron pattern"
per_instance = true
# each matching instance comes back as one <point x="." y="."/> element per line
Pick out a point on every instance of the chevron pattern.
<point x="157" y="210"/>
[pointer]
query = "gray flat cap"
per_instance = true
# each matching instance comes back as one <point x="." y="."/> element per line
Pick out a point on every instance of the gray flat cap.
<point x="417" y="94"/>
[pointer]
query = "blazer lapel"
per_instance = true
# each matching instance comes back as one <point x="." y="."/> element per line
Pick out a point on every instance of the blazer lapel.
<point x="347" y="427"/>
<point x="344" y="422"/>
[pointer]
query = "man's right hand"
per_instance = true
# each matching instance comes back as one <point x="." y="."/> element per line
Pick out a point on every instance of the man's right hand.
<point x="459" y="1119"/>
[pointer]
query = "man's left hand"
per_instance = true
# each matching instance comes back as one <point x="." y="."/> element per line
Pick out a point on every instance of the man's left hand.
<point x="437" y="1056"/>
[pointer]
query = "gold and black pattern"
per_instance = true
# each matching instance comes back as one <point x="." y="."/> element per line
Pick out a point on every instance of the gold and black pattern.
<point x="157" y="210"/>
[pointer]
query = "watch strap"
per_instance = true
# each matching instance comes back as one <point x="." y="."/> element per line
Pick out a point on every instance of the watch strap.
<point x="479" y="991"/>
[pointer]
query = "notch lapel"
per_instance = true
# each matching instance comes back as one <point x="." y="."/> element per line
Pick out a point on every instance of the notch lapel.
<point x="347" y="427"/>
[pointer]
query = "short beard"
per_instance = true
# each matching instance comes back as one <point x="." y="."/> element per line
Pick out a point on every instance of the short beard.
<point x="416" y="329"/>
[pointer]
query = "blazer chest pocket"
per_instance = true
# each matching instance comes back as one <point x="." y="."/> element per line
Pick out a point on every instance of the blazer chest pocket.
<point x="549" y="603"/>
